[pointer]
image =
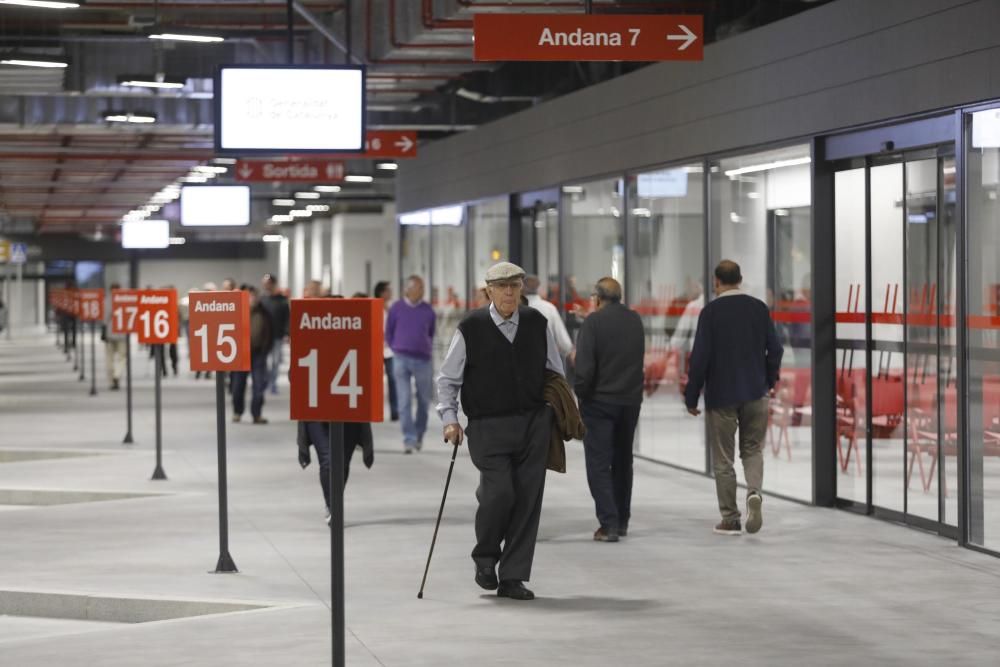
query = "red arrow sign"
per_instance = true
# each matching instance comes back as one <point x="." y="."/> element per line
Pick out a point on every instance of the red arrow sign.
<point x="570" y="37"/>
<point x="302" y="171"/>
<point x="390" y="144"/>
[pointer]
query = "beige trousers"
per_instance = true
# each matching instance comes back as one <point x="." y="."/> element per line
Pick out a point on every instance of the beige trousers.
<point x="750" y="419"/>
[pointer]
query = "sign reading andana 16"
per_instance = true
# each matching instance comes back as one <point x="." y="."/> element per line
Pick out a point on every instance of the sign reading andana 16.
<point x="336" y="365"/>
<point x="156" y="320"/>
<point x="220" y="330"/>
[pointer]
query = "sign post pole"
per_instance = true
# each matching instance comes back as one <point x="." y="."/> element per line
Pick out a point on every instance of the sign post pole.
<point x="337" y="541"/>
<point x="128" y="389"/>
<point x="76" y="346"/>
<point x="93" y="358"/>
<point x="225" y="562"/>
<point x="81" y="332"/>
<point x="158" y="473"/>
<point x="9" y="291"/>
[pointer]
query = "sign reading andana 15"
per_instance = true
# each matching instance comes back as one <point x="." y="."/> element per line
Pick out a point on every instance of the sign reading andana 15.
<point x="156" y="320"/>
<point x="220" y="330"/>
<point x="336" y="365"/>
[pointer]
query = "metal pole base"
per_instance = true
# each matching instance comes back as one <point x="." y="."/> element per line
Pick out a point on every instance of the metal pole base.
<point x="225" y="564"/>
<point x="159" y="474"/>
<point x="93" y="391"/>
<point x="128" y="439"/>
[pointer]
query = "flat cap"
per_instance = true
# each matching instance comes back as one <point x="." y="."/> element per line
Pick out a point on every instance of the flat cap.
<point x="503" y="271"/>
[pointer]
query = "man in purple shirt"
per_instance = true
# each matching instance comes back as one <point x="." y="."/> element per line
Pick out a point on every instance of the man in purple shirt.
<point x="409" y="332"/>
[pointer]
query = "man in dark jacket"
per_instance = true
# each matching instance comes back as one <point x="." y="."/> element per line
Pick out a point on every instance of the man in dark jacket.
<point x="276" y="304"/>
<point x="736" y="358"/>
<point x="497" y="360"/>
<point x="609" y="356"/>
<point x="317" y="434"/>
<point x="261" y="342"/>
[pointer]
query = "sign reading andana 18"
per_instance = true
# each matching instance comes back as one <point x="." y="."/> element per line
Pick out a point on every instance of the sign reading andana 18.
<point x="220" y="330"/>
<point x="336" y="366"/>
<point x="91" y="304"/>
<point x="156" y="321"/>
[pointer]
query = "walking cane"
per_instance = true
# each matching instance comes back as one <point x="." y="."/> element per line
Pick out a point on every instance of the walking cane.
<point x="420" y="595"/>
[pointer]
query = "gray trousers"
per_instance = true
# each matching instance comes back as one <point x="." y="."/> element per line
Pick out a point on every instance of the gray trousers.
<point x="751" y="420"/>
<point x="510" y="453"/>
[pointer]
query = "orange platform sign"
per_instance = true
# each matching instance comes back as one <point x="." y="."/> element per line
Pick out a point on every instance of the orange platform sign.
<point x="157" y="316"/>
<point x="220" y="330"/>
<point x="124" y="311"/>
<point x="587" y="37"/>
<point x="91" y="304"/>
<point x="336" y="364"/>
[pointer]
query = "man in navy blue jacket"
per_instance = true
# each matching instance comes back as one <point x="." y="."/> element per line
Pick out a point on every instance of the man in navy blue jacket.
<point x="736" y="358"/>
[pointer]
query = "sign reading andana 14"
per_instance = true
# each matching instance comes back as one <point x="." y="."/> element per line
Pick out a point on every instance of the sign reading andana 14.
<point x="336" y="365"/>
<point x="220" y="330"/>
<point x="156" y="320"/>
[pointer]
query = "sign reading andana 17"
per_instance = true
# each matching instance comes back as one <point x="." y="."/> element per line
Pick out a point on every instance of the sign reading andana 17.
<point x="157" y="316"/>
<point x="336" y="365"/>
<point x="587" y="37"/>
<point x="220" y="330"/>
<point x="124" y="311"/>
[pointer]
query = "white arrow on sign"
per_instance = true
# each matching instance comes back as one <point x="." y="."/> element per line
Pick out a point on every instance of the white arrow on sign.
<point x="404" y="144"/>
<point x="688" y="37"/>
<point x="246" y="171"/>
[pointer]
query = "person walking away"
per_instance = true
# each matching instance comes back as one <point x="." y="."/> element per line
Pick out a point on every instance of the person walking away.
<point x="317" y="434"/>
<point x="736" y="358"/>
<point x="114" y="345"/>
<point x="497" y="360"/>
<point x="610" y="349"/>
<point x="409" y="331"/>
<point x="261" y="341"/>
<point x="384" y="291"/>
<point x="276" y="304"/>
<point x="556" y="324"/>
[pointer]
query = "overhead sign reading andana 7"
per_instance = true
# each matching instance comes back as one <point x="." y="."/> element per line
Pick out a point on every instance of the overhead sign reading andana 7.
<point x="587" y="37"/>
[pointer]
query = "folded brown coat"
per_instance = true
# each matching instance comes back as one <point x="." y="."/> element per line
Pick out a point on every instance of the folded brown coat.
<point x="568" y="424"/>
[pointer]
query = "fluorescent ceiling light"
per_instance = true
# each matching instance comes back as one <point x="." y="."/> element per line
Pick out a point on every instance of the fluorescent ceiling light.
<point x="299" y="213"/>
<point x="42" y="4"/>
<point x="573" y="189"/>
<point x="307" y="195"/>
<point x="278" y="219"/>
<point x="272" y="238"/>
<point x="177" y="240"/>
<point x="209" y="169"/>
<point x="31" y="62"/>
<point x="387" y="166"/>
<point x="194" y="179"/>
<point x="327" y="188"/>
<point x="317" y="207"/>
<point x="415" y="218"/>
<point x="777" y="164"/>
<point x="283" y="202"/>
<point x="447" y="215"/>
<point x="115" y="117"/>
<point x="224" y="160"/>
<point x="355" y="178"/>
<point x="152" y="83"/>
<point x="178" y="37"/>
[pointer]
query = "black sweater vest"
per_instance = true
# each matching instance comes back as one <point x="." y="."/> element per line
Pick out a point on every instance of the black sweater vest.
<point x="503" y="378"/>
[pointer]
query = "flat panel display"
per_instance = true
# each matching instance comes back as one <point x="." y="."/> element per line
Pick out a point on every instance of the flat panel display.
<point x="215" y="205"/>
<point x="288" y="108"/>
<point x="145" y="234"/>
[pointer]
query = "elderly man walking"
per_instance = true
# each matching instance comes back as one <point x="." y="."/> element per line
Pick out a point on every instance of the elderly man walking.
<point x="609" y="375"/>
<point x="736" y="358"/>
<point x="498" y="359"/>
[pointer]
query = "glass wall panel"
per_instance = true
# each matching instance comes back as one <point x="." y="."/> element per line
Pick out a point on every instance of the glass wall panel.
<point x="666" y="272"/>
<point x="538" y="213"/>
<point x="983" y="220"/>
<point x="448" y="294"/>
<point x="489" y="222"/>
<point x="594" y="243"/>
<point x="761" y="217"/>
<point x="851" y="243"/>
<point x="415" y="252"/>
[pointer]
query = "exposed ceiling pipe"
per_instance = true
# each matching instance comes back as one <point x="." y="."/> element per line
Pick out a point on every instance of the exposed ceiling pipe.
<point x="323" y="30"/>
<point x="403" y="61"/>
<point x="405" y="45"/>
<point x="242" y="6"/>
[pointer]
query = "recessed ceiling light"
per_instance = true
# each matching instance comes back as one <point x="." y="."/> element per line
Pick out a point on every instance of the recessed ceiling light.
<point x="283" y="202"/>
<point x="327" y="188"/>
<point x="299" y="213"/>
<point x="272" y="238"/>
<point x="123" y="117"/>
<point x="177" y="240"/>
<point x="307" y="195"/>
<point x="42" y="4"/>
<point x="186" y="37"/>
<point x="354" y="178"/>
<point x="278" y="219"/>
<point x="150" y="82"/>
<point x="387" y="166"/>
<point x="28" y="61"/>
<point x="317" y="207"/>
<point x="224" y="160"/>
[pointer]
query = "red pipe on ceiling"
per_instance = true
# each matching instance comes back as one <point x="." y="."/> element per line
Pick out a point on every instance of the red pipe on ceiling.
<point x="402" y="61"/>
<point x="406" y="45"/>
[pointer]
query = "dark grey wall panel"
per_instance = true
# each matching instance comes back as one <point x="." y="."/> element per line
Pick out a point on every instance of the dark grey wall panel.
<point x="848" y="63"/>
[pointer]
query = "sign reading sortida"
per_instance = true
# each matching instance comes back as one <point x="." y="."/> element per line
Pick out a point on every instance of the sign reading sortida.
<point x="585" y="37"/>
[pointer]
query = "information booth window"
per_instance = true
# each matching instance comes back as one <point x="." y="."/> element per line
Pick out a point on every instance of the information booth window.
<point x="761" y="218"/>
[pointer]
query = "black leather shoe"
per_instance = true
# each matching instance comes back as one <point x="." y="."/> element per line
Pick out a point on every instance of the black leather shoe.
<point x="486" y="577"/>
<point x="514" y="590"/>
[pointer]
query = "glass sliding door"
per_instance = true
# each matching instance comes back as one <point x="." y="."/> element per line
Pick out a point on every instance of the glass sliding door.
<point x="666" y="272"/>
<point x="488" y="222"/>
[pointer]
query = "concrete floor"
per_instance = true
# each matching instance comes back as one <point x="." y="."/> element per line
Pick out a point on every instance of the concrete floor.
<point x="815" y="587"/>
